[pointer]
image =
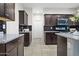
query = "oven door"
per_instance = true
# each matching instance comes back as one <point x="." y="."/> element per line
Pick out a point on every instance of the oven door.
<point x="62" y="28"/>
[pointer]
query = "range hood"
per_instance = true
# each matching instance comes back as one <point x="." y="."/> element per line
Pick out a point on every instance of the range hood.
<point x="4" y="19"/>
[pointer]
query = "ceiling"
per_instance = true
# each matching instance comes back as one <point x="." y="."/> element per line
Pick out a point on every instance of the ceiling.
<point x="51" y="5"/>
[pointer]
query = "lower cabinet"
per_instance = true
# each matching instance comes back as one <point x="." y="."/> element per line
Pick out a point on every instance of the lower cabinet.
<point x="27" y="39"/>
<point x="13" y="52"/>
<point x="21" y="46"/>
<point x="50" y="38"/>
<point x="13" y="48"/>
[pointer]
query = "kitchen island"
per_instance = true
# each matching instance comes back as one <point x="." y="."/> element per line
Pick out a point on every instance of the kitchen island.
<point x="11" y="44"/>
<point x="67" y="44"/>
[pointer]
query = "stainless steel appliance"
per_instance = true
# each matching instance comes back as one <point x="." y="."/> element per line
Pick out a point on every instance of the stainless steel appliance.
<point x="62" y="21"/>
<point x="62" y="25"/>
<point x="63" y="28"/>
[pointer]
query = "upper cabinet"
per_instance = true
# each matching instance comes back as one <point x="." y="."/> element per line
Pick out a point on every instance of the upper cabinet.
<point x="23" y="17"/>
<point x="7" y="10"/>
<point x="50" y="20"/>
<point x="2" y="12"/>
<point x="10" y="11"/>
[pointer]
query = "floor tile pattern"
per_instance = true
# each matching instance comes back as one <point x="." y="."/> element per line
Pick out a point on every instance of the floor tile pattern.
<point x="38" y="48"/>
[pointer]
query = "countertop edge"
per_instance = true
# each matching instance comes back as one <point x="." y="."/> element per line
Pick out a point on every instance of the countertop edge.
<point x="68" y="35"/>
<point x="4" y="41"/>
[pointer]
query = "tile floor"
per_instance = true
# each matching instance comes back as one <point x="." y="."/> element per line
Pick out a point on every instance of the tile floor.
<point x="38" y="48"/>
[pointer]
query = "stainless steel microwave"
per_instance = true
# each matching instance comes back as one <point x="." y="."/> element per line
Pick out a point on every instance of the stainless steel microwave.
<point x="62" y="21"/>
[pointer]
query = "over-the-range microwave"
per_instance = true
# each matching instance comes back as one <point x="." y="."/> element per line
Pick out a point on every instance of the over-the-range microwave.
<point x="62" y="21"/>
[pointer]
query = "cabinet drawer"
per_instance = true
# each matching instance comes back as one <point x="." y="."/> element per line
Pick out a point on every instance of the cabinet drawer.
<point x="11" y="45"/>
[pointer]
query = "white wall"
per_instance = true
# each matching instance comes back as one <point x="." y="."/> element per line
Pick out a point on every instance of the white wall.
<point x="13" y="26"/>
<point x="37" y="23"/>
<point x="77" y="12"/>
<point x="59" y="11"/>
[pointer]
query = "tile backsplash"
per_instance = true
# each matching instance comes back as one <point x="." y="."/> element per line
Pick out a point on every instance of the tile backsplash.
<point x="49" y="28"/>
<point x="22" y="27"/>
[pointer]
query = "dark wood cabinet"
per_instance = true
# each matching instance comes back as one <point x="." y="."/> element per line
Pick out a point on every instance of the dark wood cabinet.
<point x="27" y="39"/>
<point x="2" y="12"/>
<point x="21" y="46"/>
<point x="23" y="17"/>
<point x="13" y="52"/>
<point x="7" y="10"/>
<point x="50" y="38"/>
<point x="2" y="50"/>
<point x="13" y="48"/>
<point x="54" y="20"/>
<point x="50" y="20"/>
<point x="11" y="45"/>
<point x="10" y="11"/>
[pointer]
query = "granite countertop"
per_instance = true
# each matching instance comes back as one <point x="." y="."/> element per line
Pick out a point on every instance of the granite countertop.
<point x="68" y="35"/>
<point x="5" y="38"/>
<point x="52" y="31"/>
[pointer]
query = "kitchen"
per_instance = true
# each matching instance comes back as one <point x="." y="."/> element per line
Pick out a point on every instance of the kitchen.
<point x="34" y="29"/>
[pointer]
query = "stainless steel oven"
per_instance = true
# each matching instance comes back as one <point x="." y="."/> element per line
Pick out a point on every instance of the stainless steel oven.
<point x="62" y="28"/>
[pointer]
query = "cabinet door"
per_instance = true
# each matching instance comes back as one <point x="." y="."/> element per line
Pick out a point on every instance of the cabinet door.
<point x="21" y="17"/>
<point x="25" y="18"/>
<point x="54" y="38"/>
<point x="26" y="39"/>
<point x="2" y="50"/>
<point x="10" y="11"/>
<point x="53" y="20"/>
<point x="48" y="19"/>
<point x="51" y="38"/>
<point x="11" y="48"/>
<point x="11" y="45"/>
<point x="13" y="52"/>
<point x="48" y="38"/>
<point x="1" y="9"/>
<point x="21" y="46"/>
